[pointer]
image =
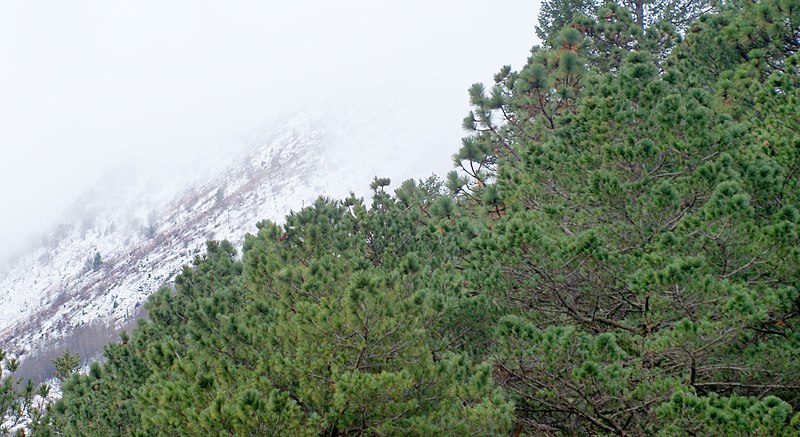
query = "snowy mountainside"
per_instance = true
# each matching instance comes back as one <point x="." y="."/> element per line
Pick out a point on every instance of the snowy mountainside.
<point x="144" y="237"/>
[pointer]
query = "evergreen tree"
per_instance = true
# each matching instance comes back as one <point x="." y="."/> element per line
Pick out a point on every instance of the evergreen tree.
<point x="65" y="365"/>
<point x="97" y="261"/>
<point x="329" y="327"/>
<point x="618" y="253"/>
<point x="557" y="14"/>
<point x="650" y="245"/>
<point x="22" y="405"/>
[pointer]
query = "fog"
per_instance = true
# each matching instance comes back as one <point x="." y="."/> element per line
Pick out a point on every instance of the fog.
<point x="91" y="86"/>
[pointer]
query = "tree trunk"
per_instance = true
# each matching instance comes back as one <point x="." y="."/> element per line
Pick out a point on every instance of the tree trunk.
<point x="639" y="13"/>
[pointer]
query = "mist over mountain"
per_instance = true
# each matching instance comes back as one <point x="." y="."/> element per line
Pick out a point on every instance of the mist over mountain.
<point x="144" y="228"/>
<point x="158" y="87"/>
<point x="614" y="251"/>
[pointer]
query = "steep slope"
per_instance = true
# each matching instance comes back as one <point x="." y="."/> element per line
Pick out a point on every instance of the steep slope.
<point x="144" y="236"/>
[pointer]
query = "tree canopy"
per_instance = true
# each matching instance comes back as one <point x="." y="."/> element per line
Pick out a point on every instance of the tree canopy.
<point x="616" y="253"/>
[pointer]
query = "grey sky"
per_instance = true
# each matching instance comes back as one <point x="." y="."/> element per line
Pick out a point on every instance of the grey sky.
<point x="87" y="85"/>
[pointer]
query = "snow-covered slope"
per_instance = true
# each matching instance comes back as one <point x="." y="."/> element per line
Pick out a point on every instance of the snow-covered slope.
<point x="145" y="234"/>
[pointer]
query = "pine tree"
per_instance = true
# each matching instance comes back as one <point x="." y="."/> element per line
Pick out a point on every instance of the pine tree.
<point x="618" y="253"/>
<point x="97" y="261"/>
<point x="22" y="405"/>
<point x="650" y="242"/>
<point x="554" y="15"/>
<point x="65" y="365"/>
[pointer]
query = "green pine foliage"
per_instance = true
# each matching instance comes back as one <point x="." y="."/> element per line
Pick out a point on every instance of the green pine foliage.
<point x="22" y="403"/>
<point x="65" y="365"/>
<point x="616" y="253"/>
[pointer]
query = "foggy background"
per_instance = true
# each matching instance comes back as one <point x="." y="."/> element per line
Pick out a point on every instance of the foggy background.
<point x="92" y="88"/>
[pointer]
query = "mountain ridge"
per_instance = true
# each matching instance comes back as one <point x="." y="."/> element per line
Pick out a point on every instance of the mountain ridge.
<point x="144" y="239"/>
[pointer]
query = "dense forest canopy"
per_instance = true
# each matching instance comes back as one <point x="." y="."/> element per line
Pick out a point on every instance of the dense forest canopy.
<point x="617" y="253"/>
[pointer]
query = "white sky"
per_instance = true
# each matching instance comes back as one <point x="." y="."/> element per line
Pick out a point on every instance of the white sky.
<point x="88" y="85"/>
